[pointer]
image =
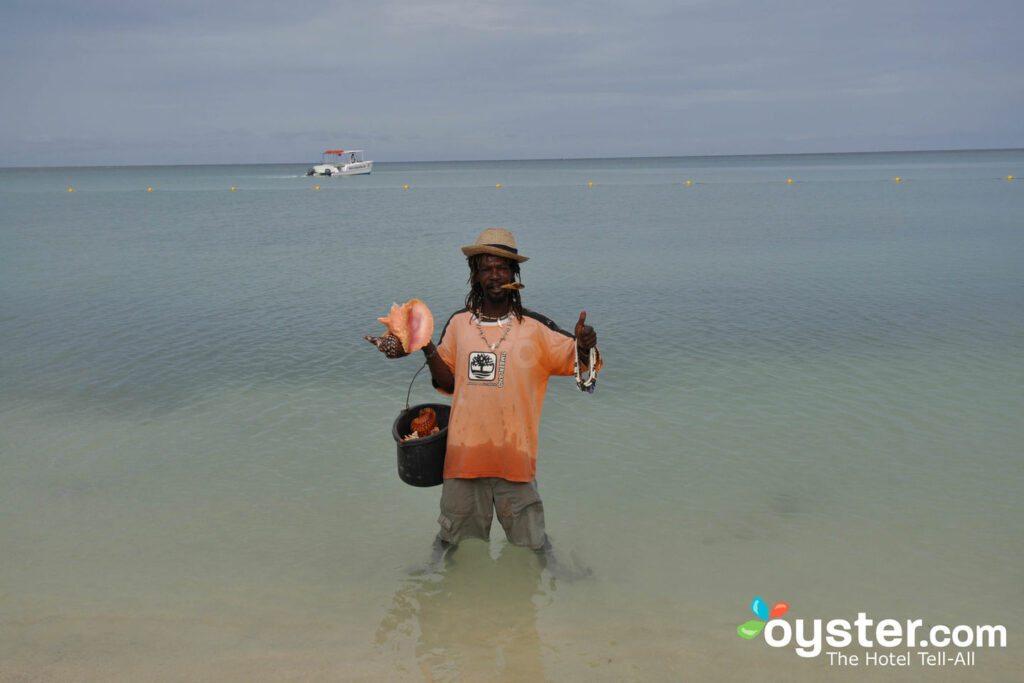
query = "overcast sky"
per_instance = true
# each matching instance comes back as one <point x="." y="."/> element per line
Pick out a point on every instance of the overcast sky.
<point x="225" y="81"/>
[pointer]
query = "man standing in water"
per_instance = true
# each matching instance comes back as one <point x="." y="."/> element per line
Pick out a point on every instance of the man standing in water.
<point x="495" y="358"/>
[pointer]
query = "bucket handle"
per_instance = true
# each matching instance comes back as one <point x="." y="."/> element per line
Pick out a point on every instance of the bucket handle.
<point x="409" y="393"/>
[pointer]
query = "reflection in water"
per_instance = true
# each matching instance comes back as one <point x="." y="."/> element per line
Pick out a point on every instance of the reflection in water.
<point x="476" y="617"/>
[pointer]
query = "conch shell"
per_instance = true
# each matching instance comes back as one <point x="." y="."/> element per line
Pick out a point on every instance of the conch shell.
<point x="410" y="327"/>
<point x="424" y="422"/>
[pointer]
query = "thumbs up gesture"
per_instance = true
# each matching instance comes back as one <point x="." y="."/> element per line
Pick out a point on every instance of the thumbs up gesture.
<point x="586" y="337"/>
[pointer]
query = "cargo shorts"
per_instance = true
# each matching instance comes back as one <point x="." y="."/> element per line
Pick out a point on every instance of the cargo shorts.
<point x="467" y="507"/>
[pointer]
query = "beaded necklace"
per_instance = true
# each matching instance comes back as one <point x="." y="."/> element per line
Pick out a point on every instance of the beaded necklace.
<point x="508" y="326"/>
<point x="588" y="385"/>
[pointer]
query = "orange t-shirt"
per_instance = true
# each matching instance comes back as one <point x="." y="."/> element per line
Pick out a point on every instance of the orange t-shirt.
<point x="492" y="431"/>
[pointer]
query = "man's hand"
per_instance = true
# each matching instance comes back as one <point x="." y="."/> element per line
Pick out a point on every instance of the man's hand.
<point x="586" y="337"/>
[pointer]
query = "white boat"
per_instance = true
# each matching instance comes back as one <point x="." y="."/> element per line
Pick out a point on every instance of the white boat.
<point x="342" y="162"/>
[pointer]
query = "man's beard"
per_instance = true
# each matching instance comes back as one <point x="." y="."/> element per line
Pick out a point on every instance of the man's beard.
<point x="497" y="299"/>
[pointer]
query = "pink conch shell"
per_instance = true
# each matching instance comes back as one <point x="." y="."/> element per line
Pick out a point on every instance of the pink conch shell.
<point x="410" y="324"/>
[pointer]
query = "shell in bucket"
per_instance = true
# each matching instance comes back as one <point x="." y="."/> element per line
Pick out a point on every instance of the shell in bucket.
<point x="421" y="460"/>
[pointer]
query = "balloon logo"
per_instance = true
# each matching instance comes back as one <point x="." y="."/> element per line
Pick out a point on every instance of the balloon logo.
<point x="760" y="609"/>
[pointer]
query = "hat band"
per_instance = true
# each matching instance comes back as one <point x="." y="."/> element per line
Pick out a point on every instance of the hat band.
<point x="503" y="247"/>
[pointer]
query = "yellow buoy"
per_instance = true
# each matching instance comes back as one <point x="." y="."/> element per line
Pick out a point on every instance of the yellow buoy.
<point x="1009" y="177"/>
<point x="590" y="184"/>
<point x="232" y="189"/>
<point x="498" y="185"/>
<point x="71" y="189"/>
<point x="149" y="189"/>
<point x="897" y="179"/>
<point x="789" y="180"/>
<point x="405" y="187"/>
<point x="317" y="187"/>
<point x="687" y="182"/>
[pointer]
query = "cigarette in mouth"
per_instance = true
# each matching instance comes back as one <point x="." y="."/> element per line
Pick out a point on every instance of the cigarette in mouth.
<point x="513" y="285"/>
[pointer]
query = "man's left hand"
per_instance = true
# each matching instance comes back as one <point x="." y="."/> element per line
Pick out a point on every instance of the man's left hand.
<point x="586" y="337"/>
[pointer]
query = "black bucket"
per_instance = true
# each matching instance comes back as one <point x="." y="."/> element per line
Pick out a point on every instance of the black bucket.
<point x="421" y="461"/>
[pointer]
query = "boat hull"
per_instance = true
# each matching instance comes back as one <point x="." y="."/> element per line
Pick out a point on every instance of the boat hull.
<point x="355" y="168"/>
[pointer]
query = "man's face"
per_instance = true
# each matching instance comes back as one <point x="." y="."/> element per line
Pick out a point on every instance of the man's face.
<point x="492" y="273"/>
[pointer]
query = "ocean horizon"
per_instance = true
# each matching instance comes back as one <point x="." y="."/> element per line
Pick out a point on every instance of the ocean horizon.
<point x="812" y="395"/>
<point x="878" y="152"/>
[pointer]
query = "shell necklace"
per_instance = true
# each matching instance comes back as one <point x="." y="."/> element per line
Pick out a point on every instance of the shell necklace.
<point x="508" y="326"/>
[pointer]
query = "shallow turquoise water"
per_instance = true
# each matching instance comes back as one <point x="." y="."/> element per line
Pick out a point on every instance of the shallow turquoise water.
<point x="813" y="393"/>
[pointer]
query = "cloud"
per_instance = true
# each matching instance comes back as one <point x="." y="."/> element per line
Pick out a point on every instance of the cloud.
<point x="190" y="80"/>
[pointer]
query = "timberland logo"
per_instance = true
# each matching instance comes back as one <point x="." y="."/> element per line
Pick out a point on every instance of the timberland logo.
<point x="482" y="366"/>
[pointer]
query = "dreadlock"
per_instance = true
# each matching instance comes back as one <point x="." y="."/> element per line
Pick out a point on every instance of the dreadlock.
<point x="475" y="298"/>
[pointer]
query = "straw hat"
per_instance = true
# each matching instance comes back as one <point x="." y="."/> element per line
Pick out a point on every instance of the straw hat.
<point x="497" y="242"/>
